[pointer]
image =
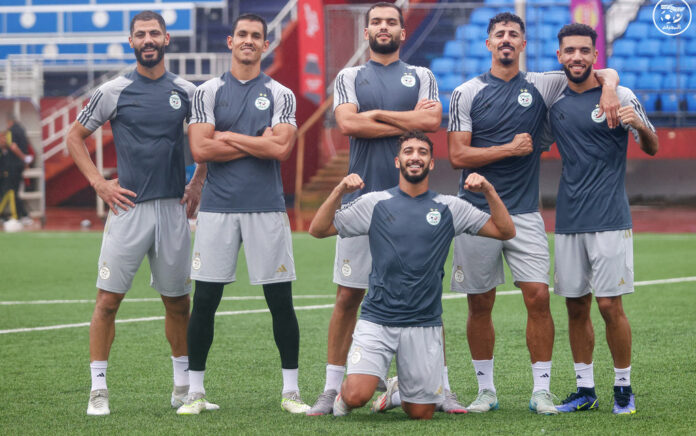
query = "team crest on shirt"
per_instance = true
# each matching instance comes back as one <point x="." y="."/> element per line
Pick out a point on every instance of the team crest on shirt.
<point x="175" y="100"/>
<point x="433" y="217"/>
<point x="525" y="98"/>
<point x="196" y="262"/>
<point x="459" y="275"/>
<point x="408" y="80"/>
<point x="346" y="270"/>
<point x="104" y="272"/>
<point x="262" y="102"/>
<point x="595" y="115"/>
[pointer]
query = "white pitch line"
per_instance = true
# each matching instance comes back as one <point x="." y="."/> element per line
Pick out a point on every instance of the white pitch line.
<point x="151" y="300"/>
<point x="315" y="307"/>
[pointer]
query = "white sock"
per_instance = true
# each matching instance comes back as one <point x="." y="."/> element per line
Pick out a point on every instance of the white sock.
<point x="180" y="365"/>
<point x="541" y="372"/>
<point x="622" y="377"/>
<point x="484" y="374"/>
<point x="334" y="377"/>
<point x="98" y="369"/>
<point x="196" y="381"/>
<point x="396" y="399"/>
<point x="584" y="375"/>
<point x="290" y="380"/>
<point x="445" y="380"/>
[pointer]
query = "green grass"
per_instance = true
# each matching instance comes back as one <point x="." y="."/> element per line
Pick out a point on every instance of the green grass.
<point x="45" y="374"/>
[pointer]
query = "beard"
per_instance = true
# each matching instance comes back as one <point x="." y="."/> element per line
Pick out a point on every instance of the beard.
<point x="388" y="48"/>
<point x="414" y="178"/>
<point x="149" y="63"/>
<point x="507" y="60"/>
<point x="576" y="79"/>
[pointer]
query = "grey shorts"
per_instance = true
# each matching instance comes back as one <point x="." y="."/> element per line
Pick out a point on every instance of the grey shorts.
<point x="419" y="358"/>
<point x="353" y="262"/>
<point x="267" y="247"/>
<point x="601" y="261"/>
<point x="478" y="265"/>
<point x="156" y="228"/>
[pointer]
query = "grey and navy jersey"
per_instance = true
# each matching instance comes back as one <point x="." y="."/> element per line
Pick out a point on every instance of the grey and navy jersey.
<point x="394" y="87"/>
<point x="592" y="193"/>
<point x="409" y="242"/>
<point x="494" y="111"/>
<point x="248" y="184"/>
<point x="147" y="120"/>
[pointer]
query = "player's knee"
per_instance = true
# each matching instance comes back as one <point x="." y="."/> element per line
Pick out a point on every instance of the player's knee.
<point x="578" y="308"/>
<point x="179" y="306"/>
<point x="481" y="305"/>
<point x="354" y="396"/>
<point x="108" y="303"/>
<point x="610" y="308"/>
<point x="420" y="411"/>
<point x="348" y="300"/>
<point x="537" y="299"/>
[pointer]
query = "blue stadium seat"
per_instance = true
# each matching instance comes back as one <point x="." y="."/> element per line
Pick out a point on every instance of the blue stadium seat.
<point x="449" y="82"/>
<point x="557" y="15"/>
<point x="674" y="81"/>
<point x="648" y="100"/>
<point x="691" y="102"/>
<point x="629" y="80"/>
<point x="549" y="64"/>
<point x="478" y="49"/>
<point x="687" y="64"/>
<point x="459" y="34"/>
<point x="445" y="100"/>
<point x="534" y="49"/>
<point x="470" y="65"/>
<point x="637" y="64"/>
<point x="625" y="47"/>
<point x="670" y="102"/>
<point x="637" y="30"/>
<point x="691" y="83"/>
<point x="690" y="48"/>
<point x="649" y="81"/>
<point x="550" y="47"/>
<point x="473" y="32"/>
<point x="645" y="14"/>
<point x="663" y="65"/>
<point x="454" y="49"/>
<point x="671" y="46"/>
<point x="442" y="66"/>
<point x="617" y="63"/>
<point x="482" y="16"/>
<point x="649" y="47"/>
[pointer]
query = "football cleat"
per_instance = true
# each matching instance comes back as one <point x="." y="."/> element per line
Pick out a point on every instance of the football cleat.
<point x="624" y="401"/>
<point x="98" y="404"/>
<point x="195" y="404"/>
<point x="324" y="404"/>
<point x="179" y="394"/>
<point x="292" y="402"/>
<point x="340" y="408"/>
<point x="384" y="401"/>
<point x="450" y="404"/>
<point x="583" y="399"/>
<point x="542" y="403"/>
<point x="485" y="400"/>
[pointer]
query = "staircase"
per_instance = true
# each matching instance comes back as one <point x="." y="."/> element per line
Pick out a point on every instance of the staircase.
<point x="320" y="185"/>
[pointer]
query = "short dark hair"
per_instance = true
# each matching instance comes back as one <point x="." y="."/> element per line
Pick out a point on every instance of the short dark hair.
<point x="384" y="5"/>
<point x="251" y="17"/>
<point x="415" y="134"/>
<point x="147" y="16"/>
<point x="505" y="17"/>
<point x="577" y="29"/>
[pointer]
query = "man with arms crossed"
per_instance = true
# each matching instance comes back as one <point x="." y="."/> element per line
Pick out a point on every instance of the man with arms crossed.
<point x="498" y="128"/>
<point x="243" y="125"/>
<point x="594" y="239"/>
<point x="410" y="229"/>
<point x="147" y="108"/>
<point x="373" y="104"/>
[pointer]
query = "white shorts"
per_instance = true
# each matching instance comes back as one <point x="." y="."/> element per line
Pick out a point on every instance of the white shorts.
<point x="353" y="262"/>
<point x="478" y="265"/>
<point x="156" y="228"/>
<point x="601" y="261"/>
<point x="267" y="247"/>
<point x="420" y="359"/>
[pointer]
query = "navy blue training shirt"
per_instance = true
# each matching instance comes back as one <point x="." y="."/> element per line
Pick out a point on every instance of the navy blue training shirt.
<point x="494" y="111"/>
<point x="147" y="119"/>
<point x="592" y="193"/>
<point x="394" y="87"/>
<point x="409" y="242"/>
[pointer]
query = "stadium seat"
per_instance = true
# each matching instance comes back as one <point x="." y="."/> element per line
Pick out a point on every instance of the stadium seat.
<point x="482" y="16"/>
<point x="687" y="64"/>
<point x="478" y="49"/>
<point x="648" y="100"/>
<point x="637" y="30"/>
<point x="649" y="81"/>
<point x="557" y="15"/>
<point x="691" y="102"/>
<point x="690" y="48"/>
<point x="645" y="15"/>
<point x="617" y="63"/>
<point x="624" y="47"/>
<point x="663" y="65"/>
<point x="674" y="81"/>
<point x="470" y="65"/>
<point x="637" y="64"/>
<point x="629" y="80"/>
<point x="449" y="82"/>
<point x="442" y="66"/>
<point x="671" y="46"/>
<point x="445" y="100"/>
<point x="454" y="49"/>
<point x="670" y="102"/>
<point x="649" y="47"/>
<point x="691" y="83"/>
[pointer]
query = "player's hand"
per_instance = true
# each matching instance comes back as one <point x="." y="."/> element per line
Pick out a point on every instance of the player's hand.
<point x="350" y="183"/>
<point x="425" y="104"/>
<point x="609" y="103"/>
<point x="521" y="144"/>
<point x="629" y="117"/>
<point x="192" y="197"/>
<point x="219" y="136"/>
<point x="268" y="132"/>
<point x="475" y="182"/>
<point x="114" y="195"/>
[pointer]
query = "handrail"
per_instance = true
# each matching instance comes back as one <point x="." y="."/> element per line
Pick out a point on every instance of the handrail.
<point x="275" y="27"/>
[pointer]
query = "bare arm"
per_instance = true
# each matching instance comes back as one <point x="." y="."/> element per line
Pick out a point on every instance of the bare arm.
<point x="192" y="192"/>
<point x="463" y="155"/>
<point x="322" y="223"/>
<point x="205" y="148"/>
<point x="500" y="225"/>
<point x="275" y="143"/>
<point x="648" y="139"/>
<point x="359" y="125"/>
<point x="108" y="190"/>
<point x="426" y="116"/>
<point x="609" y="101"/>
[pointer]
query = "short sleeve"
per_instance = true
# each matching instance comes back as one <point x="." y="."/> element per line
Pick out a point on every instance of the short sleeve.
<point x="284" y="105"/>
<point x="353" y="219"/>
<point x="628" y="98"/>
<point x="460" y="109"/>
<point x="102" y="105"/>
<point x="344" y="88"/>
<point x="203" y="107"/>
<point x="428" y="85"/>
<point x="190" y="89"/>
<point x="465" y="216"/>
<point x="549" y="84"/>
